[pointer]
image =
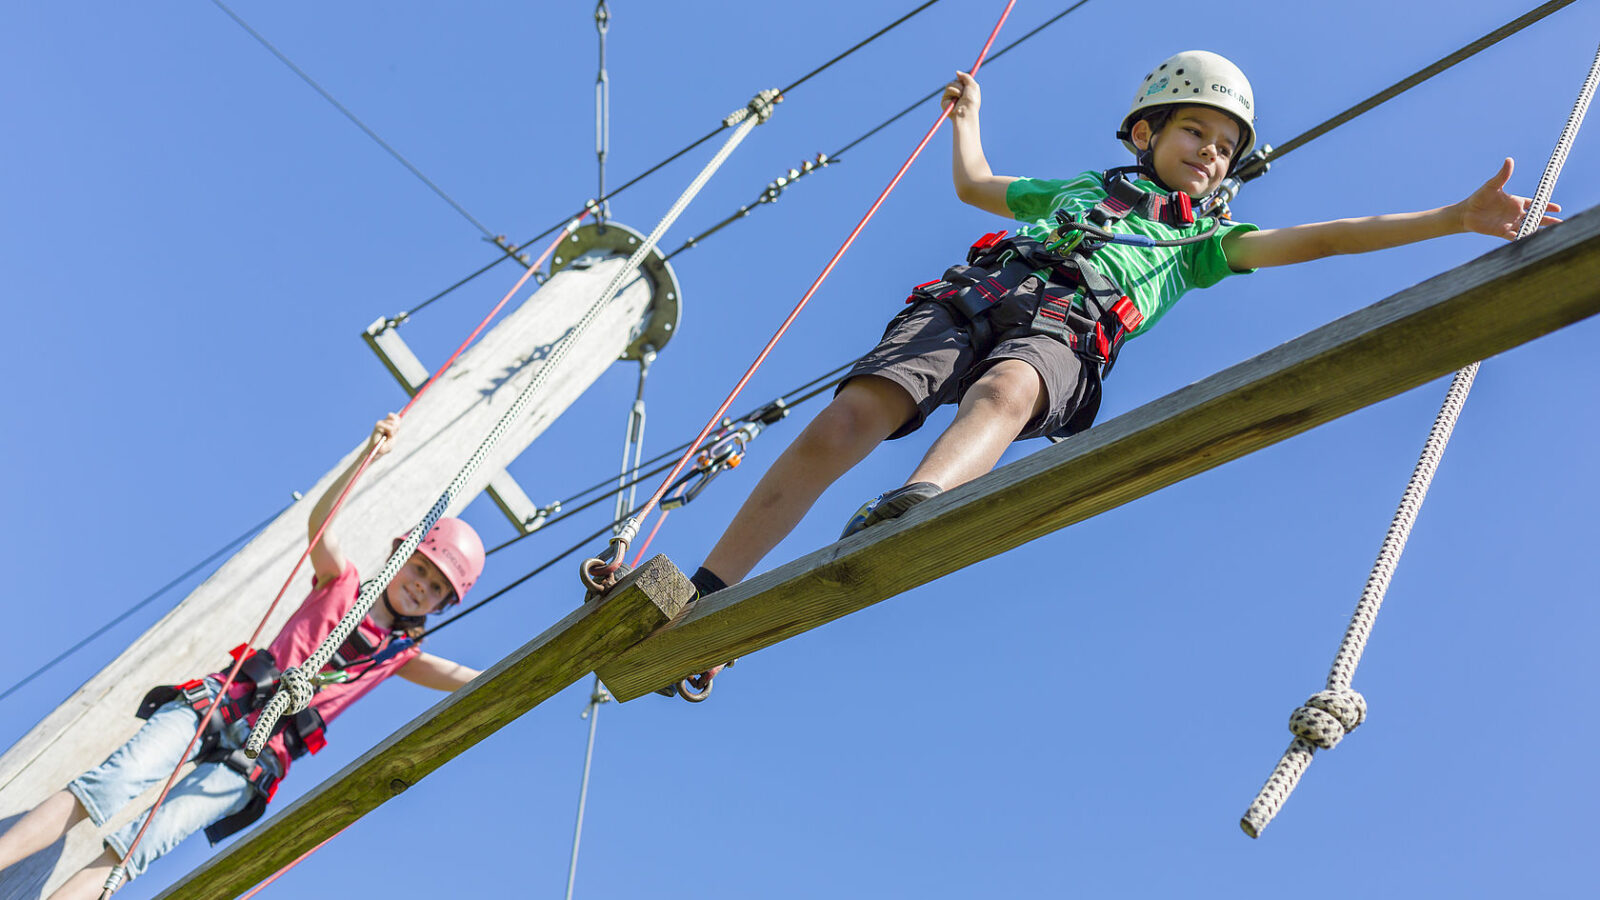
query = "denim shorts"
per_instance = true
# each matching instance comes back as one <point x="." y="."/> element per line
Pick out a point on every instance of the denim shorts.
<point x="210" y="792"/>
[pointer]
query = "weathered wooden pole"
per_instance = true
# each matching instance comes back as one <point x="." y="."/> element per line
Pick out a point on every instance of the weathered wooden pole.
<point x="441" y="432"/>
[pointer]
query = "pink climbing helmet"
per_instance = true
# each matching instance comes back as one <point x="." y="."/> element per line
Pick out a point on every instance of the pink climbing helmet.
<point x="457" y="550"/>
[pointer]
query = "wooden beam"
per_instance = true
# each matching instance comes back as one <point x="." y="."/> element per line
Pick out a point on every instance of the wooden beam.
<point x="569" y="650"/>
<point x="1498" y="301"/>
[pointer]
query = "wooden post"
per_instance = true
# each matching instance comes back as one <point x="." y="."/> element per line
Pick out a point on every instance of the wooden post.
<point x="1488" y="306"/>
<point x="643" y="601"/>
<point x="441" y="432"/>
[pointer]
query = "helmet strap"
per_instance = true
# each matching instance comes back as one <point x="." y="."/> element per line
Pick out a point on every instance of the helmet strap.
<point x="1146" y="163"/>
<point x="401" y="622"/>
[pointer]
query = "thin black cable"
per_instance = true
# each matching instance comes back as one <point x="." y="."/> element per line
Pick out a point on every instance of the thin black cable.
<point x="862" y="43"/>
<point x="831" y="159"/>
<point x="420" y="306"/>
<point x="785" y="397"/>
<point x="588" y="504"/>
<point x="667" y="459"/>
<point x="497" y="594"/>
<point x="598" y="202"/>
<point x="658" y="166"/>
<point x="143" y="603"/>
<point x="926" y="97"/>
<point x="1406" y="84"/>
<point x="352" y="117"/>
<point x="611" y="525"/>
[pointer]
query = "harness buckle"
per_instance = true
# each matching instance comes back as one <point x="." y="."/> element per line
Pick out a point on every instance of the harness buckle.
<point x="193" y="692"/>
<point x="987" y="241"/>
<point x="1127" y="313"/>
<point x="1184" y="207"/>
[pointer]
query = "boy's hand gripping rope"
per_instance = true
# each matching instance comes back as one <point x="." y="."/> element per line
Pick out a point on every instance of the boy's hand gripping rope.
<point x="599" y="573"/>
<point x="294" y="692"/>
<point x="1332" y="713"/>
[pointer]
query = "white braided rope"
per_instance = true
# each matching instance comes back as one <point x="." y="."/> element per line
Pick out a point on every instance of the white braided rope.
<point x="1330" y="714"/>
<point x="295" y="691"/>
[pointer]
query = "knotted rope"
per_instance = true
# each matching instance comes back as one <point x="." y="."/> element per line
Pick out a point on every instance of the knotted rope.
<point x="294" y="692"/>
<point x="1331" y="714"/>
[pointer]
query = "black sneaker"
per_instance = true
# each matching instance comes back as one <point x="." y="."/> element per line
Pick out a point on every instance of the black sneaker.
<point x="891" y="505"/>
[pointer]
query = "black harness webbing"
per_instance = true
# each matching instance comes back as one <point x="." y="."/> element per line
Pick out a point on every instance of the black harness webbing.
<point x="1078" y="304"/>
<point x="304" y="732"/>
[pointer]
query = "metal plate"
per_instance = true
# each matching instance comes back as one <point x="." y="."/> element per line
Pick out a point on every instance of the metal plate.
<point x="660" y="322"/>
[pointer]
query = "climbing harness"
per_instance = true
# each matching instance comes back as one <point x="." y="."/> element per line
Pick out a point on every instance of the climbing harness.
<point x="258" y="675"/>
<point x="600" y="571"/>
<point x="1332" y="713"/>
<point x="1076" y="303"/>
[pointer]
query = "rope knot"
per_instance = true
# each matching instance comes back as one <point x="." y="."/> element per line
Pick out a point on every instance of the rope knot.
<point x="299" y="688"/>
<point x="759" y="106"/>
<point x="1328" y="716"/>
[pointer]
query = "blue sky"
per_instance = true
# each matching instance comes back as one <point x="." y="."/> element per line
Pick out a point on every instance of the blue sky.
<point x="196" y="240"/>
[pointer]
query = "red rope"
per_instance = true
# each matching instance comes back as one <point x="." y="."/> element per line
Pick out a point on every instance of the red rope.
<point x="297" y="861"/>
<point x="722" y="410"/>
<point x="233" y="671"/>
<point x="646" y="545"/>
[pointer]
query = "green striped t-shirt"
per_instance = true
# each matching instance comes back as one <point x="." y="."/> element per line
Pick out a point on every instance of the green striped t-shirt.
<point x="1154" y="277"/>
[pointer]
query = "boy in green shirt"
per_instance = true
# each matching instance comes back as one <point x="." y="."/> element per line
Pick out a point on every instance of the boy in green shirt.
<point x="1021" y="339"/>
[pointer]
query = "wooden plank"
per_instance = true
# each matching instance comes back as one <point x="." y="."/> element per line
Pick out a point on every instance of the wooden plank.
<point x="1498" y="301"/>
<point x="569" y="650"/>
<point x="441" y="432"/>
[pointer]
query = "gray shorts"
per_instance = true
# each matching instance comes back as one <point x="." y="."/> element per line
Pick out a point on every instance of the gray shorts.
<point x="929" y="351"/>
<point x="210" y="792"/>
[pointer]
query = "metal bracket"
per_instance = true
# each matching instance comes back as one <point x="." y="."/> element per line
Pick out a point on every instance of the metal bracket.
<point x="384" y="339"/>
<point x="660" y="321"/>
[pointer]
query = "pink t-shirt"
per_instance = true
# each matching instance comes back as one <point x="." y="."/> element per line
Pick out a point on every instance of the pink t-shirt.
<point x="303" y="633"/>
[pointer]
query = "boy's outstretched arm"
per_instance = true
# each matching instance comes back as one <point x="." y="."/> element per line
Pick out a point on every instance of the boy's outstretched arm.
<point x="327" y="558"/>
<point x="1488" y="210"/>
<point x="437" y="672"/>
<point x="975" y="183"/>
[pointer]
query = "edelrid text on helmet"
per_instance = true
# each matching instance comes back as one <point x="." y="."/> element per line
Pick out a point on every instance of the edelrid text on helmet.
<point x="1195" y="78"/>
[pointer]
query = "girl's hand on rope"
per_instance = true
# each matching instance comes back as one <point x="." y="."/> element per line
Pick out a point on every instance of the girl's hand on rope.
<point x="383" y="434"/>
<point x="1492" y="211"/>
<point x="964" y="93"/>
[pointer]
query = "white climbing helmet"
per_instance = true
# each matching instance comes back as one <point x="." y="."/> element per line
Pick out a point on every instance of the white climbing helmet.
<point x="1201" y="78"/>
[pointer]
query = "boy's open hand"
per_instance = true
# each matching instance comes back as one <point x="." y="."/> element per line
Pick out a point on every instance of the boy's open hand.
<point x="963" y="92"/>
<point x="1492" y="211"/>
<point x="383" y="434"/>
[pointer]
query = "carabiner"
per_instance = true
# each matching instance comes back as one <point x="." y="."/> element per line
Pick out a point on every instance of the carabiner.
<point x="600" y="573"/>
<point x="726" y="452"/>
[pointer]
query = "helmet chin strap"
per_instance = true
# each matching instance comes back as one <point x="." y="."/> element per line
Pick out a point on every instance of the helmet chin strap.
<point x="1146" y="164"/>
<point x="1146" y="161"/>
<point x="401" y="622"/>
